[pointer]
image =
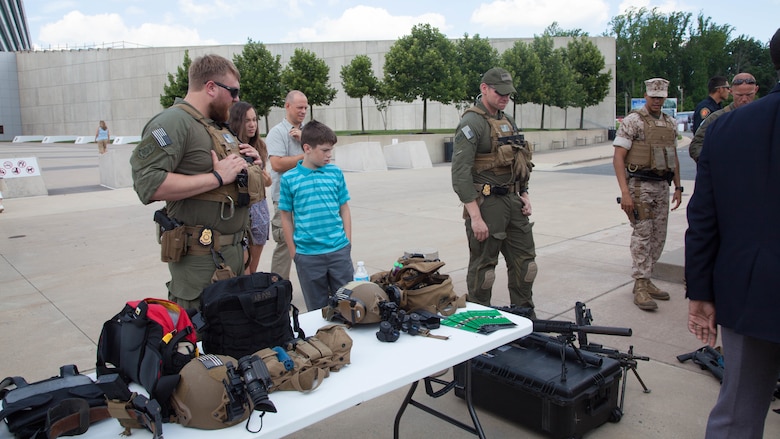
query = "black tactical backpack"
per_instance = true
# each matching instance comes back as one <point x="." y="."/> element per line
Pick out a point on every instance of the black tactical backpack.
<point x="247" y="313"/>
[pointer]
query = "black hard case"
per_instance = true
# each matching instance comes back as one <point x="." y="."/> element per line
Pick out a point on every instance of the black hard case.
<point x="521" y="382"/>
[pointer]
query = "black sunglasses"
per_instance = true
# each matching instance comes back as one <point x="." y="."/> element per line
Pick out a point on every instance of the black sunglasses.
<point x="233" y="90"/>
<point x="743" y="81"/>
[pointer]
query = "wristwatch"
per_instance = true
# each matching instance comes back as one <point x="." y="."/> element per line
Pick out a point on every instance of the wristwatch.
<point x="679" y="188"/>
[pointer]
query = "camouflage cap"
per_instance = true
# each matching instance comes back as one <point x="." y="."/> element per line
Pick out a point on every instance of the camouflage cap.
<point x="657" y="87"/>
<point x="499" y="79"/>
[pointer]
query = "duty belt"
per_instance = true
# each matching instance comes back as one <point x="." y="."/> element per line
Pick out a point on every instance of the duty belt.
<point x="644" y="174"/>
<point x="489" y="189"/>
<point x="200" y="240"/>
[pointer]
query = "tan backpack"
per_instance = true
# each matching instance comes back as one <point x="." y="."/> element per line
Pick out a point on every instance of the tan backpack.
<point x="421" y="286"/>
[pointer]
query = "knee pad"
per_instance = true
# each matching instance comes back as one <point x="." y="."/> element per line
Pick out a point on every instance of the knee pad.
<point x="530" y="271"/>
<point x="488" y="280"/>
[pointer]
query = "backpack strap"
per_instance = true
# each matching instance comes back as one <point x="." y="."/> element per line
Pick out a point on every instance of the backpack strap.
<point x="72" y="417"/>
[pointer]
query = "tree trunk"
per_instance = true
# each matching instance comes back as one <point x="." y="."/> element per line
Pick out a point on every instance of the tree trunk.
<point x="425" y="115"/>
<point x="582" y="116"/>
<point x="541" y="127"/>
<point x="362" y="125"/>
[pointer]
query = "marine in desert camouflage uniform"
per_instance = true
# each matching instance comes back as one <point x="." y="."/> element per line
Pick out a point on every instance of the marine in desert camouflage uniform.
<point x="646" y="163"/>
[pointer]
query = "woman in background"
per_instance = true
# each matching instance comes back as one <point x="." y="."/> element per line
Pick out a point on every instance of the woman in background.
<point x="101" y="137"/>
<point x="243" y="122"/>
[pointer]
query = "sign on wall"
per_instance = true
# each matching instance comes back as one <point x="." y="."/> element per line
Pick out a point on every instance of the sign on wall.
<point x="19" y="167"/>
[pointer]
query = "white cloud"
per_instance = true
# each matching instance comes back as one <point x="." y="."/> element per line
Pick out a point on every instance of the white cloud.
<point x="532" y="15"/>
<point x="365" y="23"/>
<point x="79" y="30"/>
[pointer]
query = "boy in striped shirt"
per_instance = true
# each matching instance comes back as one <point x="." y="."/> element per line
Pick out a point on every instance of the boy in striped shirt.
<point x="316" y="220"/>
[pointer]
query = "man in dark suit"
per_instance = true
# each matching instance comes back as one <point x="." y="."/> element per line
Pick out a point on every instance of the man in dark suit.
<point x="732" y="259"/>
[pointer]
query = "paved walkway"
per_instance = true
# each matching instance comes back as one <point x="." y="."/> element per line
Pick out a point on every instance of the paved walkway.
<point x="69" y="261"/>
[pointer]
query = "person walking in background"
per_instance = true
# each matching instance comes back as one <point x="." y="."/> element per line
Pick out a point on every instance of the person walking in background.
<point x="102" y="136"/>
<point x="645" y="162"/>
<point x="718" y="89"/>
<point x="316" y="219"/>
<point x="243" y="123"/>
<point x="284" y="153"/>
<point x="743" y="90"/>
<point x="731" y="259"/>
<point x="490" y="175"/>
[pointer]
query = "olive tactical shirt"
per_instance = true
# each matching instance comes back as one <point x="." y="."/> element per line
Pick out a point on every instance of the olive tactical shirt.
<point x="473" y="137"/>
<point x="173" y="141"/>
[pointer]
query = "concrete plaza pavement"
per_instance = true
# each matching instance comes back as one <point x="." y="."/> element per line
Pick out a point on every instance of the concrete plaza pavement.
<point x="70" y="260"/>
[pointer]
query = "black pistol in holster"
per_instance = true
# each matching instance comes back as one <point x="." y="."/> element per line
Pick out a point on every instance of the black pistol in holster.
<point x="129" y="408"/>
<point x="164" y="221"/>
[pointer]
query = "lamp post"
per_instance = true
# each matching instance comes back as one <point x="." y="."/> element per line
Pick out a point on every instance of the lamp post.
<point x="682" y="102"/>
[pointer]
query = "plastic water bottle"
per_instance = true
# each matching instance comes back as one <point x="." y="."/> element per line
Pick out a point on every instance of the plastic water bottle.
<point x="361" y="274"/>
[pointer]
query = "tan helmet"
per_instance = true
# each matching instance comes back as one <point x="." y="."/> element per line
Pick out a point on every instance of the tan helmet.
<point x="358" y="302"/>
<point x="200" y="400"/>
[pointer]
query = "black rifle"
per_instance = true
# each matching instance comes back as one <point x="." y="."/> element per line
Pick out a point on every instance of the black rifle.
<point x="567" y="337"/>
<point x="707" y="358"/>
<point x="628" y="361"/>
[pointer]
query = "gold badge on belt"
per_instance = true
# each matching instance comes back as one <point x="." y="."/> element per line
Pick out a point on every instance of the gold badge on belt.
<point x="205" y="236"/>
<point x="486" y="189"/>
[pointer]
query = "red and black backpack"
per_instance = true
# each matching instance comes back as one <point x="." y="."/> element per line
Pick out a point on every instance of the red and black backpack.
<point x="148" y="343"/>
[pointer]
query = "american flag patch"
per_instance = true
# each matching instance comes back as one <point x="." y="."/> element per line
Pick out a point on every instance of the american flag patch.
<point x="162" y="137"/>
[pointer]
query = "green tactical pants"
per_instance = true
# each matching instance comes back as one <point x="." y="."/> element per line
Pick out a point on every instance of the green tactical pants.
<point x="510" y="235"/>
<point x="193" y="273"/>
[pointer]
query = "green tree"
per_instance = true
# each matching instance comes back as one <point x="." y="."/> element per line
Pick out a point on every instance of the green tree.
<point x="177" y="86"/>
<point x="554" y="30"/>
<point x="475" y="56"/>
<point x="382" y="99"/>
<point x="543" y="48"/>
<point x="526" y="69"/>
<point x="358" y="81"/>
<point x="751" y="56"/>
<point x="702" y="56"/>
<point x="648" y="44"/>
<point x="311" y="75"/>
<point x="260" y="78"/>
<point x="587" y="62"/>
<point x="563" y="88"/>
<point x="423" y="65"/>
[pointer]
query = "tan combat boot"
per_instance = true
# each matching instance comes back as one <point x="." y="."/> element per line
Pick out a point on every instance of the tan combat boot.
<point x="642" y="297"/>
<point x="655" y="292"/>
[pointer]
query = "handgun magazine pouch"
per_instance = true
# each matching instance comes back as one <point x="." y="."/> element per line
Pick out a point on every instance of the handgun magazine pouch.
<point x="173" y="244"/>
<point x="30" y="409"/>
<point x="247" y="313"/>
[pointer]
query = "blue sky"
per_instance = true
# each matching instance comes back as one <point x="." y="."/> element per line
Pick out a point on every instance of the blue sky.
<point x="60" y="23"/>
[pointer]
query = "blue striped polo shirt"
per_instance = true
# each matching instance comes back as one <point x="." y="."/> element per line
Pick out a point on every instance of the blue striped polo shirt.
<point x="314" y="196"/>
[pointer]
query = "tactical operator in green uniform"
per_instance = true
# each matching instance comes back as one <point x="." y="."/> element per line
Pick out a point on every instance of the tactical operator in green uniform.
<point x="491" y="165"/>
<point x="190" y="160"/>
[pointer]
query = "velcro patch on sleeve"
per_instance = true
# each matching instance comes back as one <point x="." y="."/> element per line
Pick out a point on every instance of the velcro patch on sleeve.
<point x="466" y="130"/>
<point x="161" y="137"/>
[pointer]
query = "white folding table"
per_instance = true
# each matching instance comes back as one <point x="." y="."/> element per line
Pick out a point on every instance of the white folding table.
<point x="376" y="368"/>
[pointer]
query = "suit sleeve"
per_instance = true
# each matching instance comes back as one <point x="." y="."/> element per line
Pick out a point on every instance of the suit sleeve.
<point x="702" y="240"/>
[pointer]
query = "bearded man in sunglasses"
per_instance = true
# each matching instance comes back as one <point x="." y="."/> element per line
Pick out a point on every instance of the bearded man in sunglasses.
<point x="743" y="90"/>
<point x="189" y="159"/>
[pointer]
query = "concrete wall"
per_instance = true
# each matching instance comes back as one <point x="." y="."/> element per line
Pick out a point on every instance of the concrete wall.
<point x="68" y="92"/>
<point x="10" y="115"/>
